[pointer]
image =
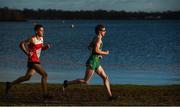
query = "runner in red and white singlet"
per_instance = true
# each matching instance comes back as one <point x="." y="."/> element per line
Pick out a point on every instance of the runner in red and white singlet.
<point x="32" y="48"/>
<point x="35" y="49"/>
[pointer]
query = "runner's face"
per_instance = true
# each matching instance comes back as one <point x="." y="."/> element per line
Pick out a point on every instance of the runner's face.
<point x="40" y="31"/>
<point x="103" y="31"/>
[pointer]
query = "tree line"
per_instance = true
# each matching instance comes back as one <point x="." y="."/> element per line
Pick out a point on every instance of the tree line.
<point x="7" y="14"/>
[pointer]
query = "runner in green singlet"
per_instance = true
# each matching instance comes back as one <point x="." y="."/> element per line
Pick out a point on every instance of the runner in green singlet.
<point x="94" y="60"/>
<point x="93" y="63"/>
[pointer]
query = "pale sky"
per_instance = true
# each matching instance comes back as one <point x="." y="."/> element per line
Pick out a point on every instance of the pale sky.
<point x="127" y="5"/>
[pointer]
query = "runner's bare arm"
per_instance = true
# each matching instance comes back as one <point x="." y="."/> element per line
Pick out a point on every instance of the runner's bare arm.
<point x="46" y="46"/>
<point x="23" y="45"/>
<point x="90" y="47"/>
<point x="97" y="50"/>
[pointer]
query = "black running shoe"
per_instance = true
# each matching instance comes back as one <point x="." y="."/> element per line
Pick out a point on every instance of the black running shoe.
<point x="65" y="84"/>
<point x="8" y="86"/>
<point x="111" y="98"/>
<point x="47" y="96"/>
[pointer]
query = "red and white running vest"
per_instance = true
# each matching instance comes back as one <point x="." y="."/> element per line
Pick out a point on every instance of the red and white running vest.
<point x="35" y="49"/>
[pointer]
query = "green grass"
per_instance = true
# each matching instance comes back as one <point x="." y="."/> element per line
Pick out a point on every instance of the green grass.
<point x="30" y="94"/>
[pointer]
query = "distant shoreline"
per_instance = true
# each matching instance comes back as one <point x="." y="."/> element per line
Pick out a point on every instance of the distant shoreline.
<point x="52" y="14"/>
<point x="89" y="19"/>
<point x="13" y="20"/>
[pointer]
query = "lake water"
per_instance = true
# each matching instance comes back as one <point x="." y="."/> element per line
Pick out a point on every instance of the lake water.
<point x="141" y="52"/>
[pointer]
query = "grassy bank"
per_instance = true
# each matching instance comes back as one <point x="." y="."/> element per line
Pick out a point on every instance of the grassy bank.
<point x="30" y="94"/>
